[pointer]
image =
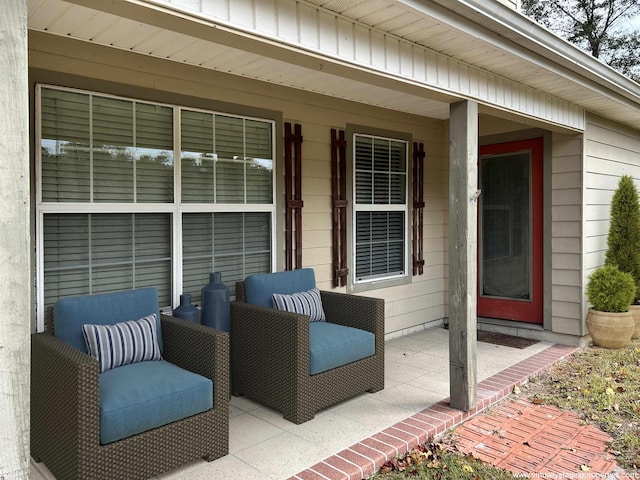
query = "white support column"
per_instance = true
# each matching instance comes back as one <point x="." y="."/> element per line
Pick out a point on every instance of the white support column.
<point x="15" y="244"/>
<point x="463" y="248"/>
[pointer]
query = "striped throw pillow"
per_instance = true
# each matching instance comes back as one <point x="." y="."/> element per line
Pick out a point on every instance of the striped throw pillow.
<point x="306" y="303"/>
<point x="122" y="343"/>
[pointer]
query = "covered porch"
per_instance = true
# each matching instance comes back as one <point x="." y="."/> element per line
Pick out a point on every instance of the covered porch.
<point x="353" y="438"/>
<point x="454" y="77"/>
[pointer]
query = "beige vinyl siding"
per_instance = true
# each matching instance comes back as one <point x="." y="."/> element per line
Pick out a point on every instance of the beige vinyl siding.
<point x="566" y="234"/>
<point x="136" y="76"/>
<point x="611" y="150"/>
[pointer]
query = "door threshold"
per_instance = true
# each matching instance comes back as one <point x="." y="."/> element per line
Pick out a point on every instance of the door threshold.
<point x="501" y="323"/>
<point x="508" y="323"/>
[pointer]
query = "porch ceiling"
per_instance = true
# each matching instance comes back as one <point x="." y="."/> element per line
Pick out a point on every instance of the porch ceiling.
<point x="218" y="49"/>
<point x="459" y="32"/>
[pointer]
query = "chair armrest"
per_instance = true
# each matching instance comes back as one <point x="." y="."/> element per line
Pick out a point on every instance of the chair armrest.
<point x="365" y="313"/>
<point x="64" y="388"/>
<point x="270" y="337"/>
<point x="199" y="349"/>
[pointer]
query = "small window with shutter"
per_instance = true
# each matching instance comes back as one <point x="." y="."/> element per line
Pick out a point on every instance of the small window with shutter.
<point x="380" y="208"/>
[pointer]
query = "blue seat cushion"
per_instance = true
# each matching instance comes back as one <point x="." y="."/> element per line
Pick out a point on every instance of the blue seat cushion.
<point x="334" y="345"/>
<point x="71" y="313"/>
<point x="140" y="396"/>
<point x="259" y="288"/>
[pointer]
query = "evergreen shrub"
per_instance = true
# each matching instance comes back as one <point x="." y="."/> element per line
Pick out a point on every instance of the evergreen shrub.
<point x="623" y="241"/>
<point x="610" y="290"/>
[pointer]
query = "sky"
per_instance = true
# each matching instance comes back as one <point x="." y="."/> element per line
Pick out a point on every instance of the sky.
<point x="634" y="22"/>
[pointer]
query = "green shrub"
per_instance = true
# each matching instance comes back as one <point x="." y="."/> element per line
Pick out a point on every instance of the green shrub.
<point x="610" y="290"/>
<point x="623" y="241"/>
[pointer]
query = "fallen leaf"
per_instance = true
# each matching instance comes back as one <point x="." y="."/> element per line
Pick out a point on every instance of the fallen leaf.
<point x="516" y="390"/>
<point x="609" y="391"/>
<point x="585" y="468"/>
<point x="620" y="390"/>
<point x="468" y="469"/>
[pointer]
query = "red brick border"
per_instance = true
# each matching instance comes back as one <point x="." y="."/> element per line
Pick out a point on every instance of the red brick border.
<point x="367" y="456"/>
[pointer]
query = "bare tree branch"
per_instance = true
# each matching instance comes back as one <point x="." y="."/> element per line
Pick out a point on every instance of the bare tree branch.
<point x="595" y="26"/>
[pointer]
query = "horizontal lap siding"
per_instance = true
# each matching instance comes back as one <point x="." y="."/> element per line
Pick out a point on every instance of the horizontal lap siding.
<point x="410" y="305"/>
<point x="566" y="234"/>
<point x="611" y="151"/>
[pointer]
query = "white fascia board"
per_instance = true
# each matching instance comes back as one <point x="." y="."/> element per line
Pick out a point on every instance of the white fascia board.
<point x="518" y="35"/>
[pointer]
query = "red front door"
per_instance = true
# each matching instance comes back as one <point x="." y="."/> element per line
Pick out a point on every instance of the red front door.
<point x="510" y="258"/>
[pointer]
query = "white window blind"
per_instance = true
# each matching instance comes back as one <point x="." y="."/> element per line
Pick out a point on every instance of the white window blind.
<point x="102" y="149"/>
<point x="235" y="244"/>
<point x="380" y="208"/>
<point x="99" y="253"/>
<point x="108" y="211"/>
<point x="226" y="159"/>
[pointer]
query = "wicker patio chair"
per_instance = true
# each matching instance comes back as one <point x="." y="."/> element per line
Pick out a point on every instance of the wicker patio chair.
<point x="65" y="408"/>
<point x="270" y="359"/>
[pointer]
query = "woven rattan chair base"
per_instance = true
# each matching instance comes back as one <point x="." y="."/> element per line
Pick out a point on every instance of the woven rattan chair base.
<point x="270" y="355"/>
<point x="65" y="411"/>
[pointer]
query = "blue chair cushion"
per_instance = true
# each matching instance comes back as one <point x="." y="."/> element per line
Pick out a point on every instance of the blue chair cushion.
<point x="259" y="288"/>
<point x="105" y="309"/>
<point x="140" y="396"/>
<point x="334" y="345"/>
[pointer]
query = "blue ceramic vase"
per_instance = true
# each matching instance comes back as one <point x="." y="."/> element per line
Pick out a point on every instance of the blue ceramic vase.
<point x="186" y="310"/>
<point x="215" y="303"/>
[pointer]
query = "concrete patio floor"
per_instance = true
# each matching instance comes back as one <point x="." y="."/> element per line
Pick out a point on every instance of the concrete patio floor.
<point x="336" y="443"/>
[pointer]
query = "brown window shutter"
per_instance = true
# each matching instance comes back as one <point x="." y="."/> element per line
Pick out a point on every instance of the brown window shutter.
<point x="340" y="203"/>
<point x="293" y="195"/>
<point x="418" y="208"/>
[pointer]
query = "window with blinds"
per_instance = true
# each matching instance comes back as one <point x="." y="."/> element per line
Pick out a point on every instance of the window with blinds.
<point x="99" y="253"/>
<point x="223" y="156"/>
<point x="235" y="244"/>
<point x="109" y="214"/>
<point x="102" y="149"/>
<point x="380" y="208"/>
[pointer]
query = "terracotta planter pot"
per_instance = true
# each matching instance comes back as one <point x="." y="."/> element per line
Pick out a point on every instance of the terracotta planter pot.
<point x="635" y="310"/>
<point x="610" y="330"/>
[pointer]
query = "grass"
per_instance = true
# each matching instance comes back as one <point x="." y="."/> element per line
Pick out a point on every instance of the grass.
<point x="435" y="462"/>
<point x="601" y="385"/>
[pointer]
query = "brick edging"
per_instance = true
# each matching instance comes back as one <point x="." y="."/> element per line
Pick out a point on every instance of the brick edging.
<point x="367" y="456"/>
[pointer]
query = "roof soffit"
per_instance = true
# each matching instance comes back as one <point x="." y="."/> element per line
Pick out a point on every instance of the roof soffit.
<point x="458" y="33"/>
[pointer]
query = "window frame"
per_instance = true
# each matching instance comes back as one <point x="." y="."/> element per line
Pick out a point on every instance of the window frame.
<point x="175" y="209"/>
<point x="391" y="280"/>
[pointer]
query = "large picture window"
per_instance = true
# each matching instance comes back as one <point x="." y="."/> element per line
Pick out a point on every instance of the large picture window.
<point x="115" y="211"/>
<point x="380" y="208"/>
